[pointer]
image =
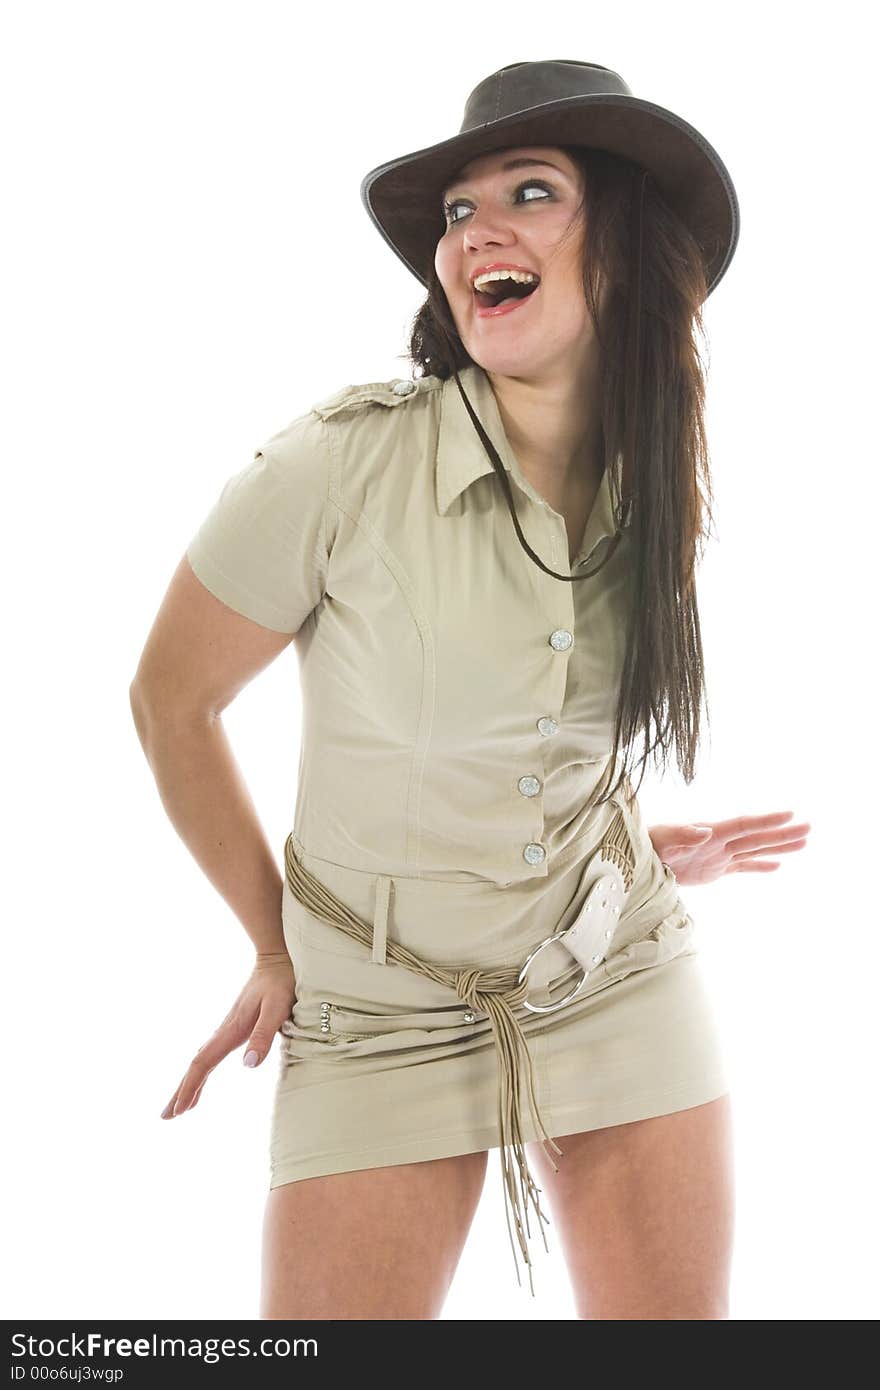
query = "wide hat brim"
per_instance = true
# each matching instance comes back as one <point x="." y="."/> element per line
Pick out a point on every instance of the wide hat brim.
<point x="403" y="196"/>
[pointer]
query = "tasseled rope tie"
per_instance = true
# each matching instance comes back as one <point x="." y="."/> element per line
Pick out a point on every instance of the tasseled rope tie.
<point x="496" y="992"/>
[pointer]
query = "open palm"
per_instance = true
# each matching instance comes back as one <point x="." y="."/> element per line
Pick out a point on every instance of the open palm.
<point x="702" y="852"/>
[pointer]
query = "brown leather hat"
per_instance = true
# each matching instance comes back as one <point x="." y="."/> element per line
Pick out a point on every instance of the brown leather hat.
<point x="558" y="102"/>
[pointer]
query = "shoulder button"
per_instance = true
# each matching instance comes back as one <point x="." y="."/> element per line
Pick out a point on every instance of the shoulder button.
<point x="388" y="393"/>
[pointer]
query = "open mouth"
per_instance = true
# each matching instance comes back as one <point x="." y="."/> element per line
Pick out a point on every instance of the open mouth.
<point x="500" y="293"/>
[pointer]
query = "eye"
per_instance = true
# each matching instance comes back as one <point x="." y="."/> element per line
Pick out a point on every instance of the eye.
<point x="449" y="207"/>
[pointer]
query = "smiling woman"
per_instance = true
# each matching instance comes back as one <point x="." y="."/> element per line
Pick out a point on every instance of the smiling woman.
<point x="463" y="711"/>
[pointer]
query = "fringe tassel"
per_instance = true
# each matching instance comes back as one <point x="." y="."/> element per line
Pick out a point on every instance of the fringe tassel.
<point x="511" y="1048"/>
<point x="617" y="848"/>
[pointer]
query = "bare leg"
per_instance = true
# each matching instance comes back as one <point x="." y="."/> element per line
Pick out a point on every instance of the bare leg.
<point x="645" y="1214"/>
<point x="374" y="1244"/>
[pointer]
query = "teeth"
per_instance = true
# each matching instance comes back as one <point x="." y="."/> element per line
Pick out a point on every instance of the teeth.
<point x="522" y="277"/>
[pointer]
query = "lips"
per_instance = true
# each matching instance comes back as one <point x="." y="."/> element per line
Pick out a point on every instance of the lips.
<point x="498" y="310"/>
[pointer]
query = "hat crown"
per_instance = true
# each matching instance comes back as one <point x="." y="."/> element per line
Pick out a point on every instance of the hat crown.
<point x="521" y="87"/>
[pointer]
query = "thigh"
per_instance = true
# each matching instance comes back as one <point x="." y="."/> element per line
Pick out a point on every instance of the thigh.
<point x="645" y="1214"/>
<point x="374" y="1244"/>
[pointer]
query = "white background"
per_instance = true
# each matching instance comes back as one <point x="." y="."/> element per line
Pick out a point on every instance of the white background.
<point x="188" y="267"/>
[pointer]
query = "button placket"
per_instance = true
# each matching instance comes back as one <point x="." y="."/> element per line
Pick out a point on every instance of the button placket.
<point x="555" y="600"/>
<point x="561" y="639"/>
<point x="529" y="786"/>
<point x="534" y="852"/>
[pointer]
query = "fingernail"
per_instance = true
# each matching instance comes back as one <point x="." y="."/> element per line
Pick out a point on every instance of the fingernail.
<point x="166" y="1112"/>
<point x="250" y="1059"/>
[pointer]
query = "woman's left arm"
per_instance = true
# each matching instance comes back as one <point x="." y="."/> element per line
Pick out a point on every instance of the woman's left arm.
<point x="704" y="851"/>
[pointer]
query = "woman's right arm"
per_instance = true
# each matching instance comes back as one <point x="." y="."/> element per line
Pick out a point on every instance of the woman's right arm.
<point x="249" y="578"/>
<point x="199" y="654"/>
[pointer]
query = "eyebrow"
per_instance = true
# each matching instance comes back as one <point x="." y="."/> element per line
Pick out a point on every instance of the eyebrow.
<point x="520" y="163"/>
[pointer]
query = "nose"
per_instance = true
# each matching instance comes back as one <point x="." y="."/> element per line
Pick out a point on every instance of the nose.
<point x="482" y="230"/>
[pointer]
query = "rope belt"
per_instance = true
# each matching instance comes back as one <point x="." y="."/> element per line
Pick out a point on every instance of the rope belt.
<point x="497" y="992"/>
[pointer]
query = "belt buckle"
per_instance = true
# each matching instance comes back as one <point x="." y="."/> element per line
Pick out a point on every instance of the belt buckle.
<point x="588" y="936"/>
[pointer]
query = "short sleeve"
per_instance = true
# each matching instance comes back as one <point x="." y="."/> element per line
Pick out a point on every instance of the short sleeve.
<point x="262" y="548"/>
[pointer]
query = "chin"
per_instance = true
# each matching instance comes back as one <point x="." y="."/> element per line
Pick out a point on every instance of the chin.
<point x="511" y="361"/>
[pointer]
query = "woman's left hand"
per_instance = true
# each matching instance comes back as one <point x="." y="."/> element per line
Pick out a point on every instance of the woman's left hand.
<point x="704" y="851"/>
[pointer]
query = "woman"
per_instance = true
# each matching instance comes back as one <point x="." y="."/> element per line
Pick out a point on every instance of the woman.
<point x="487" y="573"/>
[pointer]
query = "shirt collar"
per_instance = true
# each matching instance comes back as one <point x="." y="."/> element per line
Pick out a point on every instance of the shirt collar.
<point x="462" y="459"/>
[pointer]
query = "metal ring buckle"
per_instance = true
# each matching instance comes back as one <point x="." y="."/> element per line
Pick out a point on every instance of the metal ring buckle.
<point x="548" y="1008"/>
<point x="582" y="939"/>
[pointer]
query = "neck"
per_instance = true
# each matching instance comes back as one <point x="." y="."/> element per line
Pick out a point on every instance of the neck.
<point x="553" y="426"/>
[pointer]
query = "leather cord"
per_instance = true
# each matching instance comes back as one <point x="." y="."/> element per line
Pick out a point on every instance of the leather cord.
<point x="495" y="991"/>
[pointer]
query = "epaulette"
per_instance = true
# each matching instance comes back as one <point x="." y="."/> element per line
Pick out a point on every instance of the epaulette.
<point x="393" y="392"/>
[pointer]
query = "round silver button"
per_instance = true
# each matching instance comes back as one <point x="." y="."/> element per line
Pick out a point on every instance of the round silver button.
<point x="529" y="786"/>
<point x="404" y="388"/>
<point x="560" y="640"/>
<point x="547" y="726"/>
<point x="469" y="1017"/>
<point x="534" y="853"/>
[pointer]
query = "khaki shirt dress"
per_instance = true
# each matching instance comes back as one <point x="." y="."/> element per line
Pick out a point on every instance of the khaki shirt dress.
<point x="458" y="708"/>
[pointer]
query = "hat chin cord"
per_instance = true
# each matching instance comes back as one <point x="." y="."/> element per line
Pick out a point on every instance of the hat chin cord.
<point x="632" y="426"/>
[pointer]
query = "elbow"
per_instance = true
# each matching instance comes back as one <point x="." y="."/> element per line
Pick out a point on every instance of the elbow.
<point x="155" y="716"/>
<point x="139" y="707"/>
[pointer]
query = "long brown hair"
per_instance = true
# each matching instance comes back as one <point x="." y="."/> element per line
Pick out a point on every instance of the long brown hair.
<point x="652" y="406"/>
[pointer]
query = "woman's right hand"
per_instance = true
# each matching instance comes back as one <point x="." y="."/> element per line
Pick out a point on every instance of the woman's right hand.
<point x="256" y="1016"/>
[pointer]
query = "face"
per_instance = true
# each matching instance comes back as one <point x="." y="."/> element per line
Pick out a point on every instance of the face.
<point x="528" y="217"/>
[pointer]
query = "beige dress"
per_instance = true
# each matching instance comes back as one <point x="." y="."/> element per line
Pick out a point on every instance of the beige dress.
<point x="458" y="708"/>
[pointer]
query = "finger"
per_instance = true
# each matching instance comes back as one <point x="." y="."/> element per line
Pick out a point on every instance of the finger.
<point x="687" y="837"/>
<point x="764" y="843"/>
<point x="773" y="849"/>
<point x="746" y="825"/>
<point x="168" y="1112"/>
<point x="187" y="1100"/>
<point x="175" y="1105"/>
<point x="786" y="848"/>
<point x="194" y="1099"/>
<point x="752" y="866"/>
<point x="204" y="1062"/>
<point x="697" y="835"/>
<point x="260" y="1040"/>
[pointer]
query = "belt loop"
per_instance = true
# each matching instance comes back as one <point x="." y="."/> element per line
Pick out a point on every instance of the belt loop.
<point x="380" y="919"/>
